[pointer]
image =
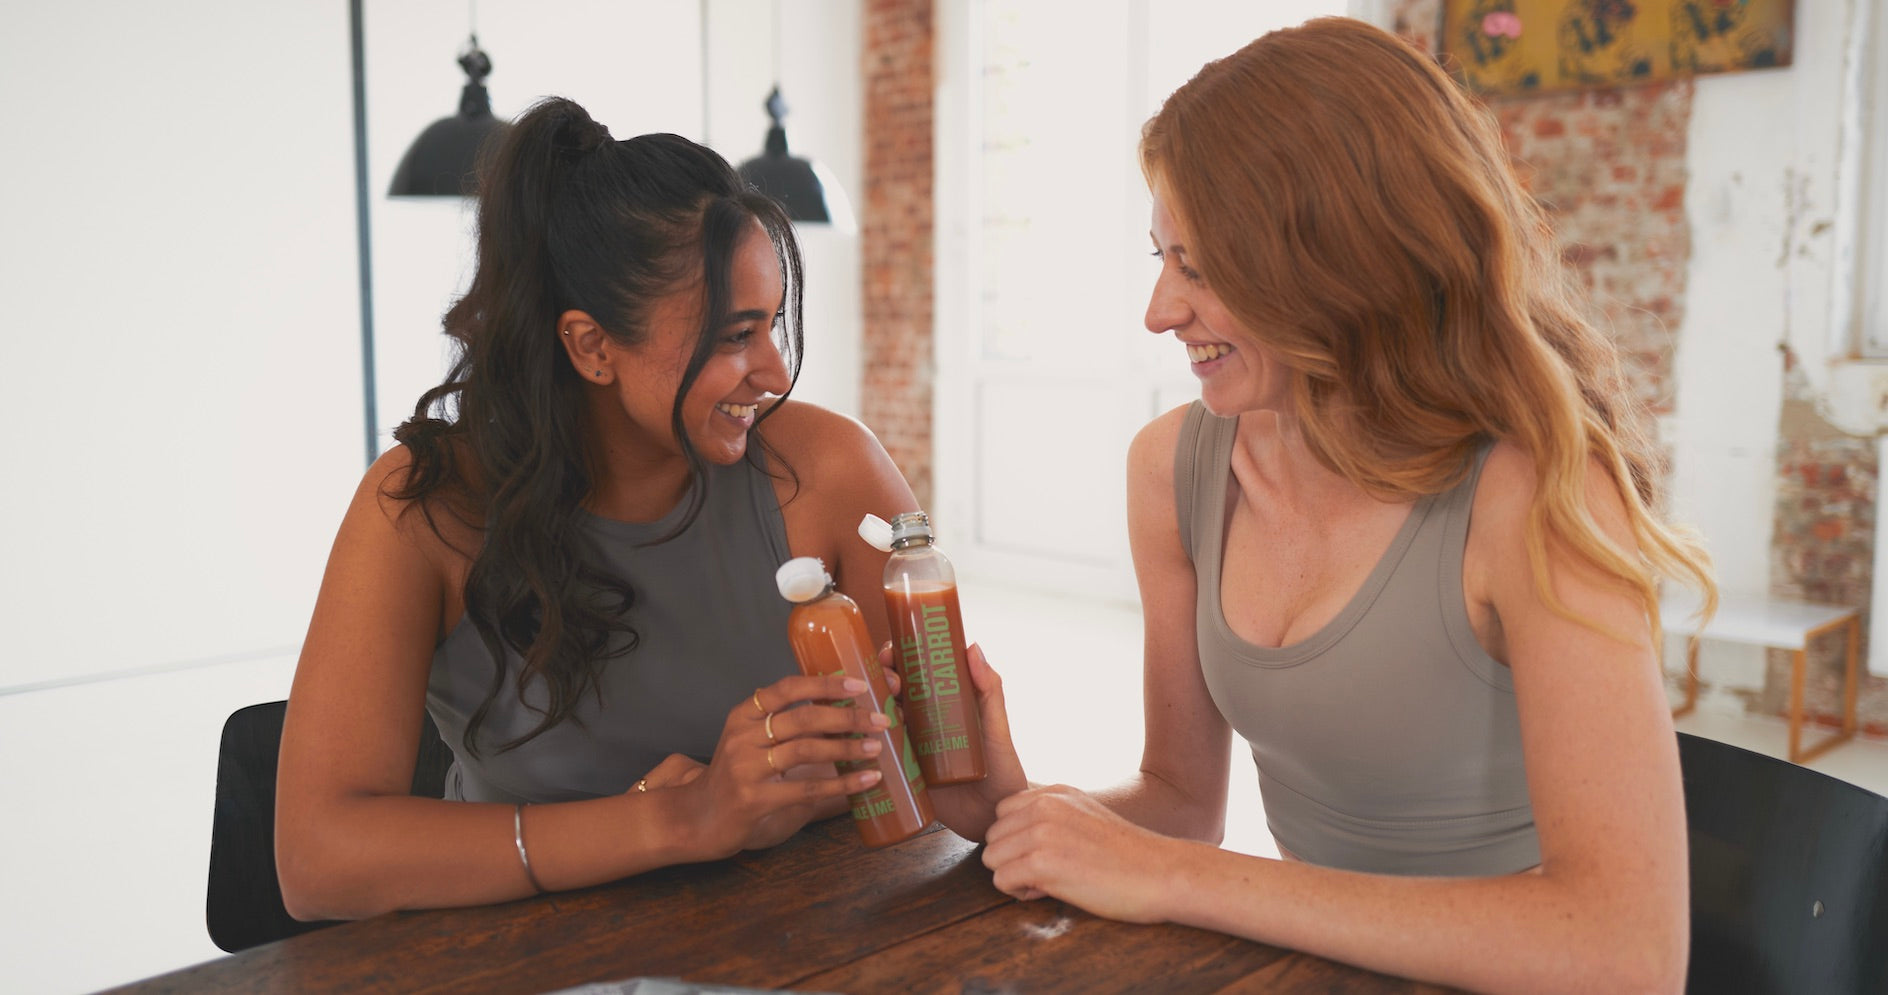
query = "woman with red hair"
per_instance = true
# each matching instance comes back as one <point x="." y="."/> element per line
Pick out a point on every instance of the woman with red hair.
<point x="1406" y="545"/>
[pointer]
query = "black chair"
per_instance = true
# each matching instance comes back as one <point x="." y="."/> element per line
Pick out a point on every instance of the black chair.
<point x="244" y="905"/>
<point x="1789" y="876"/>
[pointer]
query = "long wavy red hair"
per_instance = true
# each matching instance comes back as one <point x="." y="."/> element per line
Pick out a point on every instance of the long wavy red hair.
<point x="1351" y="205"/>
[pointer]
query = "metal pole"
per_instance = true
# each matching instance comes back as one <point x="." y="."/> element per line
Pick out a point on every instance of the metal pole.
<point x="361" y="224"/>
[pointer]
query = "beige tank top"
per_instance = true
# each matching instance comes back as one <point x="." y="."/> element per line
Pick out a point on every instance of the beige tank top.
<point x="1388" y="741"/>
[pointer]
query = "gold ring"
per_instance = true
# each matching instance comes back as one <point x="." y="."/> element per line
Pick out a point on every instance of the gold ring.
<point x="758" y="706"/>
<point x="770" y="730"/>
<point x="770" y="761"/>
<point x="643" y="785"/>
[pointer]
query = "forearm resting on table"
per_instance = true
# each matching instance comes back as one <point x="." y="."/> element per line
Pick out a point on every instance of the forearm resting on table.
<point x="1529" y="932"/>
<point x="367" y="855"/>
<point x="1154" y="802"/>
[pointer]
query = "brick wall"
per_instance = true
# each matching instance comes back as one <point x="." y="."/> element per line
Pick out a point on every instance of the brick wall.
<point x="1823" y="550"/>
<point x="895" y="234"/>
<point x="1420" y="21"/>
<point x="1609" y="166"/>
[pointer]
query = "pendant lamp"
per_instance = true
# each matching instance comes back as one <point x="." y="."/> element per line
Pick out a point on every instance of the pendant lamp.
<point x="796" y="183"/>
<point x="443" y="160"/>
<point x="806" y="190"/>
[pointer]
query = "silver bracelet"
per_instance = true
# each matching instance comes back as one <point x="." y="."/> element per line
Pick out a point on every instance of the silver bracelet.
<point x="517" y="836"/>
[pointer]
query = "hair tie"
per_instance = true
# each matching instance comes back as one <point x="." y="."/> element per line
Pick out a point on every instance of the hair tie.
<point x="582" y="135"/>
<point x="576" y="133"/>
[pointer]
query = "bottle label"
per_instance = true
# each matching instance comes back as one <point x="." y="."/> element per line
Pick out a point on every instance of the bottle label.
<point x="913" y="773"/>
<point x="929" y="662"/>
<point x="928" y="659"/>
<point x="875" y="801"/>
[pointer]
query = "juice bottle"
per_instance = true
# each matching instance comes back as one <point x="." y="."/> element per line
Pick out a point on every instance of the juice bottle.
<point x="928" y="645"/>
<point x="829" y="637"/>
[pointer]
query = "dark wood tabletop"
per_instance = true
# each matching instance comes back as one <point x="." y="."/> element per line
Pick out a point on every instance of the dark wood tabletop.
<point x="819" y="913"/>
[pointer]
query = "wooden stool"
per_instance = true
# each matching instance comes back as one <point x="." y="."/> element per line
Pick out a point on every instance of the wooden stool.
<point x="1771" y="622"/>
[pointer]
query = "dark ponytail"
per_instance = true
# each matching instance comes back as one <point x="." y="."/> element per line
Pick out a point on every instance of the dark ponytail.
<point x="568" y="219"/>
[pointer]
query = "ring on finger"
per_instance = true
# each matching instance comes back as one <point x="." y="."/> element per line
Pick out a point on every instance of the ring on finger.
<point x="770" y="761"/>
<point x="758" y="706"/>
<point x="771" y="741"/>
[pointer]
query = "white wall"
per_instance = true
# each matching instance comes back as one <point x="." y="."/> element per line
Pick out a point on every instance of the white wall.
<point x="1760" y="213"/>
<point x="1772" y="199"/>
<point x="179" y="378"/>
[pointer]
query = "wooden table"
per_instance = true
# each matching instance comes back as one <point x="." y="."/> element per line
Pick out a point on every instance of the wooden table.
<point x="817" y="913"/>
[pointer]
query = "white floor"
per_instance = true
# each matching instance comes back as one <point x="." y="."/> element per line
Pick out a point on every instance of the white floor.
<point x="104" y="849"/>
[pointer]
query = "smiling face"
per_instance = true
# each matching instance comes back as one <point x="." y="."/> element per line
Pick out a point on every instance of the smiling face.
<point x="745" y="367"/>
<point x="1236" y="373"/>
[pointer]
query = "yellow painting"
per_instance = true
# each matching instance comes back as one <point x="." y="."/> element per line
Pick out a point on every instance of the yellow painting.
<point x="1528" y="46"/>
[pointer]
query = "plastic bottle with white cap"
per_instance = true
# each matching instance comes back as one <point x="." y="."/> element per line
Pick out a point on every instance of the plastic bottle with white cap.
<point x="928" y="647"/>
<point x="829" y="636"/>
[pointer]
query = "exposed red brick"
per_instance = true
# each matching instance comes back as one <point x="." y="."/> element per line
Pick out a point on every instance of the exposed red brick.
<point x="1420" y="21"/>
<point x="895" y="226"/>
<point x="1823" y="550"/>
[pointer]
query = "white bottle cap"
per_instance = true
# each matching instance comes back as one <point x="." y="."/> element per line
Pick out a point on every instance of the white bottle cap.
<point x="876" y="531"/>
<point x="802" y="578"/>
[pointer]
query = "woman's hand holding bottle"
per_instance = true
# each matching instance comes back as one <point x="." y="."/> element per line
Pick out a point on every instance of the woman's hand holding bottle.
<point x="963" y="741"/>
<point x="969" y="808"/>
<point x="743" y="798"/>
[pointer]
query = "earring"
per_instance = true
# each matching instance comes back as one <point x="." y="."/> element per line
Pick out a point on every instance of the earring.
<point x="599" y="373"/>
<point x="566" y="331"/>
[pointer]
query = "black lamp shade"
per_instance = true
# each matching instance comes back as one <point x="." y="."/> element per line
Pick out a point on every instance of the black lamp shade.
<point x="442" y="162"/>
<point x="788" y="179"/>
<point x="794" y="183"/>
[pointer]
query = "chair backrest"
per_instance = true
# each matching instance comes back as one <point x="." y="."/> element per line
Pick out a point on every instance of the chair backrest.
<point x="244" y="905"/>
<point x="1789" y="875"/>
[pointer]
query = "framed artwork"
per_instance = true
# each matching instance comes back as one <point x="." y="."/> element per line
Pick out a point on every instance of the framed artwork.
<point x="1534" y="46"/>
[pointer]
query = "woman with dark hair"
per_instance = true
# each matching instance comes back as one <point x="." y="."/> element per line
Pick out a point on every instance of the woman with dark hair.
<point x="1406" y="545"/>
<point x="568" y="560"/>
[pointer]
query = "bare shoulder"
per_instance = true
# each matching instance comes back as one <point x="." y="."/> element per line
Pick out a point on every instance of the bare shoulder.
<point x="1508" y="484"/>
<point x="836" y="470"/>
<point x="1497" y="568"/>
<point x="439" y="527"/>
<point x="811" y="436"/>
<point x="1153" y="519"/>
<point x="836" y="473"/>
<point x="380" y="490"/>
<point x="1505" y="490"/>
<point x="1152" y="450"/>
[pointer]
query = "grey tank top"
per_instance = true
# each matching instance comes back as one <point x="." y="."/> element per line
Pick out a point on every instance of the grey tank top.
<point x="712" y="627"/>
<point x="1386" y="742"/>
